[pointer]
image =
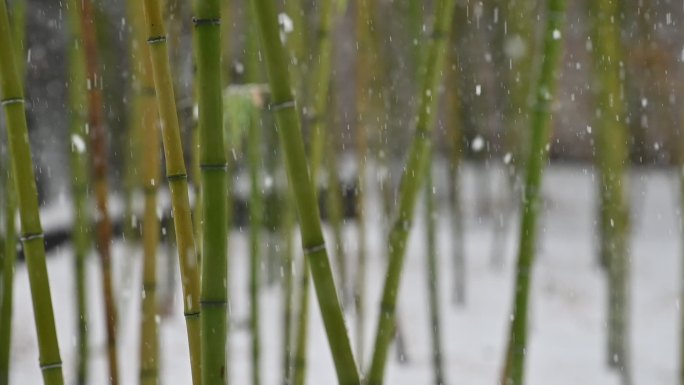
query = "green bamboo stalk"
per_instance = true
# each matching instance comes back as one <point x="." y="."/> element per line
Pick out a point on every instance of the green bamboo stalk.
<point x="79" y="186"/>
<point x="336" y="216"/>
<point x="9" y="251"/>
<point x="177" y="179"/>
<point x="288" y="274"/>
<point x="99" y="160"/>
<point x="151" y="159"/>
<point x="296" y="44"/>
<point x="612" y="158"/>
<point x="213" y="164"/>
<point x="7" y="262"/>
<point x="283" y="106"/>
<point x="455" y="135"/>
<point x="27" y="195"/>
<point x="537" y="157"/>
<point x="254" y="154"/>
<point x="412" y="178"/>
<point x="433" y="277"/>
<point x="317" y="94"/>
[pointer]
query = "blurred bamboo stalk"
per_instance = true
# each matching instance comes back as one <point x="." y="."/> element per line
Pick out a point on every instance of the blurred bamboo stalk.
<point x="612" y="152"/>
<point x="514" y="364"/>
<point x="99" y="162"/>
<point x="412" y="178"/>
<point x="432" y="275"/>
<point x="79" y="184"/>
<point x="31" y="230"/>
<point x="283" y="105"/>
<point x="177" y="178"/>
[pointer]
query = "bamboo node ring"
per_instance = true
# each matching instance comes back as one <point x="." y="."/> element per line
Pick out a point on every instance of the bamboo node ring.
<point x="9" y="101"/>
<point x="54" y="365"/>
<point x="156" y="39"/>
<point x="283" y="105"/>
<point x="210" y="21"/>
<point x="173" y="177"/>
<point x="30" y="237"/>
<point x="192" y="315"/>
<point x="314" y="249"/>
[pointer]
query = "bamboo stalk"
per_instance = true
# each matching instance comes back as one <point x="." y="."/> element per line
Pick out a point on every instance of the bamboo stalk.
<point x="9" y="255"/>
<point x="288" y="284"/>
<point x="99" y="160"/>
<point x="455" y="140"/>
<point x="433" y="277"/>
<point x="412" y="178"/>
<point x="336" y="217"/>
<point x="612" y="158"/>
<point x="79" y="186"/>
<point x="317" y="94"/>
<point x="537" y="157"/>
<point x="213" y="165"/>
<point x="27" y="195"/>
<point x="254" y="154"/>
<point x="151" y="159"/>
<point x="283" y="106"/>
<point x="177" y="179"/>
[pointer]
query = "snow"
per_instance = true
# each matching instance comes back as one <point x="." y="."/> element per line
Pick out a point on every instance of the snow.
<point x="567" y="321"/>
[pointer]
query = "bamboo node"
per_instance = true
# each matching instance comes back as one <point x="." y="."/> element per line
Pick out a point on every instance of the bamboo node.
<point x="173" y="177"/>
<point x="30" y="237"/>
<point x="314" y="249"/>
<point x="283" y="105"/>
<point x="192" y="315"/>
<point x="54" y="365"/>
<point x="156" y="39"/>
<point x="9" y="101"/>
<point x="210" y="21"/>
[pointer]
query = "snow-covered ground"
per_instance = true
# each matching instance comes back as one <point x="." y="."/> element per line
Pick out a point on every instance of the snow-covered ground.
<point x="568" y="310"/>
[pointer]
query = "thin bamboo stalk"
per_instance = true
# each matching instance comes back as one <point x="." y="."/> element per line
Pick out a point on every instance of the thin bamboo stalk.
<point x="177" y="178"/>
<point x="412" y="178"/>
<point x="27" y="196"/>
<point x="433" y="277"/>
<point x="612" y="158"/>
<point x="283" y="105"/>
<point x="317" y="94"/>
<point x="254" y="154"/>
<point x="99" y="160"/>
<point x="151" y="159"/>
<point x="288" y="284"/>
<point x="455" y="135"/>
<point x="79" y="185"/>
<point x="540" y="130"/>
<point x="213" y="165"/>
<point x="9" y="254"/>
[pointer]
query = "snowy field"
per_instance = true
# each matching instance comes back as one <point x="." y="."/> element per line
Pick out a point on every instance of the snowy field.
<point x="568" y="309"/>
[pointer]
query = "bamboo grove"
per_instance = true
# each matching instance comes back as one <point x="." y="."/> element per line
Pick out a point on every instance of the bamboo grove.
<point x="363" y="192"/>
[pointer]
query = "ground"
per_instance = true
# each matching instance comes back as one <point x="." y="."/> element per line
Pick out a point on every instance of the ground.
<point x="567" y="336"/>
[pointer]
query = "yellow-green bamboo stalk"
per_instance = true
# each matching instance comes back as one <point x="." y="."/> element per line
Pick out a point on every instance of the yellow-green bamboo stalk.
<point x="79" y="186"/>
<point x="31" y="230"/>
<point x="288" y="283"/>
<point x="177" y="178"/>
<point x="8" y="246"/>
<point x="213" y="165"/>
<point x="283" y="105"/>
<point x="411" y="181"/>
<point x="514" y="364"/>
<point x="150" y="173"/>
<point x="9" y="254"/>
